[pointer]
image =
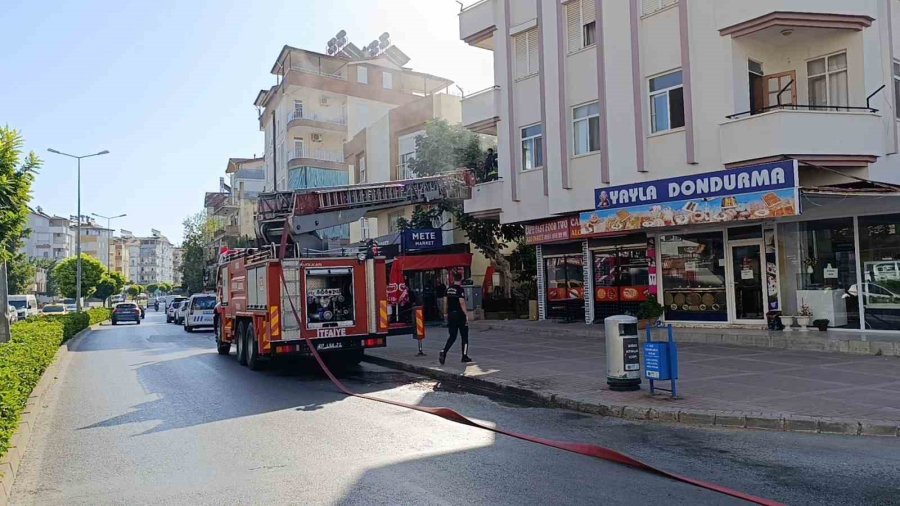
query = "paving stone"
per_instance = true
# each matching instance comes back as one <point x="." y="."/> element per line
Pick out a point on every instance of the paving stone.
<point x="664" y="414"/>
<point x="878" y="429"/>
<point x="801" y="424"/>
<point x="730" y="419"/>
<point x="697" y="417"/>
<point x="636" y="413"/>
<point x="838" y="427"/>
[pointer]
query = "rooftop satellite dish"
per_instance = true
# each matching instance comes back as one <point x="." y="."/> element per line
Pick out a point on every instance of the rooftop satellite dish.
<point x="341" y="34"/>
<point x="384" y="36"/>
<point x="332" y="42"/>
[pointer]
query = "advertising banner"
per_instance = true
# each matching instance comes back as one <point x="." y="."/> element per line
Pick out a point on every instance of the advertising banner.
<point x="553" y="230"/>
<point x="420" y="239"/>
<point x="749" y="193"/>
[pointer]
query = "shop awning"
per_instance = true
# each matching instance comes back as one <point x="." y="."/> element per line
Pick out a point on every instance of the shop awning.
<point x="429" y="262"/>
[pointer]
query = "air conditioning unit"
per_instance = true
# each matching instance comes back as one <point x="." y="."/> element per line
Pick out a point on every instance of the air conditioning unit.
<point x="316" y="137"/>
<point x="323" y="100"/>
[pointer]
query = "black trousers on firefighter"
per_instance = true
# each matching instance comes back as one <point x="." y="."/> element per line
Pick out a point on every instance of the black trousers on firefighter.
<point x="456" y="321"/>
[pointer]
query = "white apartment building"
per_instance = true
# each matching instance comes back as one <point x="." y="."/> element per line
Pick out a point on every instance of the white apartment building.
<point x="51" y="237"/>
<point x="95" y="240"/>
<point x="322" y="100"/>
<point x="598" y="105"/>
<point x="151" y="259"/>
<point x="177" y="260"/>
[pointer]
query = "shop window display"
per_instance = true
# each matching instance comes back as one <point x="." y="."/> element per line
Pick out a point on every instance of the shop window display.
<point x="818" y="270"/>
<point x="565" y="286"/>
<point x="693" y="272"/>
<point x="879" y="252"/>
<point x="621" y="281"/>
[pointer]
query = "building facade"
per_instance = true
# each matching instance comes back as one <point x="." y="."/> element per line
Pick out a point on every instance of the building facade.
<point x="177" y="260"/>
<point x="95" y="240"/>
<point x="323" y="100"/>
<point x="120" y="255"/>
<point x="52" y="237"/>
<point x="731" y="159"/>
<point x="151" y="259"/>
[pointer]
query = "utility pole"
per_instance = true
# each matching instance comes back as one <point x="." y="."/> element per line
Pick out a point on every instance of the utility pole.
<point x="78" y="234"/>
<point x="108" y="234"/>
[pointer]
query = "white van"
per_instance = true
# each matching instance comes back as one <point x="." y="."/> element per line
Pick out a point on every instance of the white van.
<point x="26" y="305"/>
<point x="199" y="311"/>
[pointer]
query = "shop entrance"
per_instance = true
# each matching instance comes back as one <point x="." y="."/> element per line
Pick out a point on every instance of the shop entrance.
<point x="748" y="299"/>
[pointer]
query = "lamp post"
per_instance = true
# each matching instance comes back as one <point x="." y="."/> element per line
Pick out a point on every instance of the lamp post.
<point x="108" y="233"/>
<point x="78" y="233"/>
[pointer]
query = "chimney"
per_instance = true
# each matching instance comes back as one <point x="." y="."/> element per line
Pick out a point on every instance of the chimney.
<point x="221" y="185"/>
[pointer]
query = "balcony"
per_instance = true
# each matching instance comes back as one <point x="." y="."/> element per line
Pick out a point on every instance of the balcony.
<point x="226" y="206"/>
<point x="479" y="111"/>
<point x="486" y="201"/>
<point x="336" y="122"/>
<point x="797" y="130"/>
<point x="226" y="231"/>
<point x="305" y="157"/>
<point x="740" y="17"/>
<point x="477" y="24"/>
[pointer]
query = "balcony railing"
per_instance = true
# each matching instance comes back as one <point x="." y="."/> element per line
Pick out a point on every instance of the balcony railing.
<point x="318" y="72"/>
<point x="317" y="154"/>
<point x="802" y="107"/>
<point x="311" y="116"/>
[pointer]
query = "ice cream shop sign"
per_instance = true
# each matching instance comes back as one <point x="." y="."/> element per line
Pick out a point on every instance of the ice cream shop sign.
<point x="755" y="192"/>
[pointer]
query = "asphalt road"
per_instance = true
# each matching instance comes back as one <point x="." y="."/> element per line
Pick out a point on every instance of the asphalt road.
<point x="152" y="415"/>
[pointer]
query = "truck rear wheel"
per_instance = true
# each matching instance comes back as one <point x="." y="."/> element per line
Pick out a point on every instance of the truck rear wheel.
<point x="240" y="338"/>
<point x="251" y="349"/>
<point x="221" y="346"/>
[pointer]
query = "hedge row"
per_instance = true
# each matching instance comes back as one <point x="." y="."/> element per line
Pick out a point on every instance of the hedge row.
<point x="27" y="355"/>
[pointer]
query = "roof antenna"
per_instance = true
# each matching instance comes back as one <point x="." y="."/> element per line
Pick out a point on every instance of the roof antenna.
<point x="460" y="5"/>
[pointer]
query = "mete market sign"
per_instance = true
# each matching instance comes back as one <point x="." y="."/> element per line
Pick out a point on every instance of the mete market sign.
<point x="419" y="239"/>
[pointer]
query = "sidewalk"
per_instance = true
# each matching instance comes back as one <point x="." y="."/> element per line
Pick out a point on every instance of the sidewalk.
<point x="564" y="365"/>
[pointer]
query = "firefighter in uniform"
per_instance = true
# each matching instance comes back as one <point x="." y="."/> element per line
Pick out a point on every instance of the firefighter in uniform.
<point x="457" y="321"/>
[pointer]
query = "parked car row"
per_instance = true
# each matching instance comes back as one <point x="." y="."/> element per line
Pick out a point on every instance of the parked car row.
<point x="192" y="312"/>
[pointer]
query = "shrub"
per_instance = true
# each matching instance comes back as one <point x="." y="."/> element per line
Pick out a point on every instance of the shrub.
<point x="22" y="361"/>
<point x="99" y="314"/>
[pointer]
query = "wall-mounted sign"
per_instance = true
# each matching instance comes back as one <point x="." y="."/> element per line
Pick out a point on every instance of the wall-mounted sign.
<point x="830" y="272"/>
<point x="748" y="193"/>
<point x="553" y="230"/>
<point x="421" y="239"/>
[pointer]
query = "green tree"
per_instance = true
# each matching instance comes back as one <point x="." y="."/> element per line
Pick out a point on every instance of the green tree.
<point x="197" y="236"/>
<point x="91" y="272"/>
<point x="20" y="273"/>
<point x="16" y="176"/>
<point x="445" y="148"/>
<point x="152" y="288"/>
<point x="110" y="284"/>
<point x="166" y="287"/>
<point x="134" y="290"/>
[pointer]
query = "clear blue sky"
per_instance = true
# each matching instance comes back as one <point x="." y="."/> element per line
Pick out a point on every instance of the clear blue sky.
<point x="168" y="88"/>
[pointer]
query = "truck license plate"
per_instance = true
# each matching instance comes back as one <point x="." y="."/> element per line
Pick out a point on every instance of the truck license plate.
<point x="329" y="346"/>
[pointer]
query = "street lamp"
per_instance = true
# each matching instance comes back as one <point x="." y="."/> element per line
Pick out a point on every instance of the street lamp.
<point x="78" y="236"/>
<point x="108" y="233"/>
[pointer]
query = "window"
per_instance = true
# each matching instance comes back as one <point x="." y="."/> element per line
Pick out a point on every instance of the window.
<point x="405" y="171"/>
<point x="526" y="53"/>
<point x="362" y="75"/>
<point x="581" y="28"/>
<point x="298" y="148"/>
<point x="362" y="169"/>
<point x="827" y="80"/>
<point x="666" y="102"/>
<point x="693" y="277"/>
<point x="651" y="6"/>
<point x="532" y="147"/>
<point x="298" y="109"/>
<point x="387" y="80"/>
<point x="394" y="221"/>
<point x="586" y="128"/>
<point x="897" y="89"/>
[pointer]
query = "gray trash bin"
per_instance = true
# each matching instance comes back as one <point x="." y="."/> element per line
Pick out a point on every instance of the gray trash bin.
<point x="623" y="359"/>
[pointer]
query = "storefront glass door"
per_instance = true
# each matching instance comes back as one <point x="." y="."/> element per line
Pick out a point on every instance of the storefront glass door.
<point x="747" y="281"/>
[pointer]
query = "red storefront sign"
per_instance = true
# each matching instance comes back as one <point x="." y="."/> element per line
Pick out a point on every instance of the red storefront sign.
<point x="553" y="230"/>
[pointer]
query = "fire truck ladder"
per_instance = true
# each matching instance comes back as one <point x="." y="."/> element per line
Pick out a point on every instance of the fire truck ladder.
<point x="310" y="210"/>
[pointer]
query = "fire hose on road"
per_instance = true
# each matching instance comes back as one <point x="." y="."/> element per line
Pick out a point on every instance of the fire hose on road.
<point x="587" y="450"/>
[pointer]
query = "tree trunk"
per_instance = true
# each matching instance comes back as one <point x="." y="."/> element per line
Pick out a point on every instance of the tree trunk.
<point x="4" y="305"/>
<point x="505" y="271"/>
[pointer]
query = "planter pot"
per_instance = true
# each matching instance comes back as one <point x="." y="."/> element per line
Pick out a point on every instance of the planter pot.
<point x="821" y="324"/>
<point x="803" y="321"/>
<point x="786" y="321"/>
<point x="533" y="310"/>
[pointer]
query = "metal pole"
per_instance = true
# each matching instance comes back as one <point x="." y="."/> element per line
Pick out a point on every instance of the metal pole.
<point x="4" y="304"/>
<point x="78" y="246"/>
<point x="108" y="242"/>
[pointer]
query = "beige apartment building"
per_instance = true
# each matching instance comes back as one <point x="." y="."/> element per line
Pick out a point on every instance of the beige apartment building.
<point x="322" y="100"/>
<point x="95" y="239"/>
<point x="734" y="160"/>
<point x="120" y="256"/>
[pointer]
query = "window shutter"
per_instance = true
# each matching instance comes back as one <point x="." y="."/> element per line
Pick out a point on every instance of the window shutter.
<point x="532" y="51"/>
<point x="573" y="25"/>
<point x="588" y="11"/>
<point x="521" y="54"/>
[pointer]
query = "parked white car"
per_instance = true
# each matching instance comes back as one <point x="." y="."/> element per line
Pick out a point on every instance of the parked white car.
<point x="199" y="311"/>
<point x="11" y="314"/>
<point x="172" y="307"/>
<point x="181" y="312"/>
<point x="873" y="294"/>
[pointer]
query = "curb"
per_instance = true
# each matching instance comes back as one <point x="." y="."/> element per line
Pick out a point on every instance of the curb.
<point x="9" y="463"/>
<point x="693" y="417"/>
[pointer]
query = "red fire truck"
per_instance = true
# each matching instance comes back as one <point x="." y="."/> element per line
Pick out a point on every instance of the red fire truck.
<point x="339" y="295"/>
